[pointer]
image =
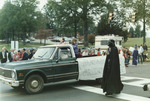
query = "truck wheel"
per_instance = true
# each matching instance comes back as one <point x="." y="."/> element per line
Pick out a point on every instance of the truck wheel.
<point x="34" y="84"/>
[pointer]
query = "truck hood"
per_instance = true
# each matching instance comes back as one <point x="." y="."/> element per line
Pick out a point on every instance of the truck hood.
<point x="24" y="64"/>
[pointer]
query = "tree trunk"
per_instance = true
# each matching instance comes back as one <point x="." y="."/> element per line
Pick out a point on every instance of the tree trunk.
<point x="86" y="33"/>
<point x="45" y="39"/>
<point x="75" y="28"/>
<point x="18" y="37"/>
<point x="24" y="38"/>
<point x="144" y="21"/>
<point x="7" y="37"/>
<point x="13" y="33"/>
<point x="85" y="25"/>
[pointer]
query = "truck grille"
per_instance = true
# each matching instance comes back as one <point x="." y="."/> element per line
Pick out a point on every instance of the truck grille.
<point x="5" y="73"/>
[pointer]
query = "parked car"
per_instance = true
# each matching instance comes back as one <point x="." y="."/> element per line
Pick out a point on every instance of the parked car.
<point x="32" y="39"/>
<point x="27" y="41"/>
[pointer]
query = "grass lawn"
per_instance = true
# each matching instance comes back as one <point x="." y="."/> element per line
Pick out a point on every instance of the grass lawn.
<point x="132" y="41"/>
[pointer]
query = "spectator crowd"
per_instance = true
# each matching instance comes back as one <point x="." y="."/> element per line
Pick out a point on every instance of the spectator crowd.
<point x="139" y="54"/>
<point x="15" y="55"/>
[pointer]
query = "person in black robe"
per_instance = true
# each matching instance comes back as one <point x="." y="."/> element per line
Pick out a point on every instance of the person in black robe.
<point x="111" y="83"/>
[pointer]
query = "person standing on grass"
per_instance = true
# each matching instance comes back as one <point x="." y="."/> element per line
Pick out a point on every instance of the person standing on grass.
<point x="135" y="55"/>
<point x="140" y="54"/>
<point x="111" y="83"/>
<point x="129" y="55"/>
<point x="125" y="57"/>
<point x="145" y="51"/>
<point x="145" y="47"/>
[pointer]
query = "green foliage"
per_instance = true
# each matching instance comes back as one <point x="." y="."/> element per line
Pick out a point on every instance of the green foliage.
<point x="140" y="7"/>
<point x="67" y="14"/>
<point x="69" y="17"/>
<point x="131" y="32"/>
<point x="19" y="17"/>
<point x="136" y="33"/>
<point x="116" y="28"/>
<point x="132" y="41"/>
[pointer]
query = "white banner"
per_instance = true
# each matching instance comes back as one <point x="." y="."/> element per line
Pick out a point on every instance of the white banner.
<point x="91" y="68"/>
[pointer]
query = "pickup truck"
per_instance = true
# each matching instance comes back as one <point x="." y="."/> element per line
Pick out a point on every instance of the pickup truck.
<point x="52" y="63"/>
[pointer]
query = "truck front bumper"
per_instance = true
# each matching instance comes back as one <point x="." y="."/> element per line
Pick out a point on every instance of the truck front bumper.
<point x="9" y="81"/>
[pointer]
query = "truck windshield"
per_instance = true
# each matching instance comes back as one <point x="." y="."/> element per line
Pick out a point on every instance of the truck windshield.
<point x="44" y="52"/>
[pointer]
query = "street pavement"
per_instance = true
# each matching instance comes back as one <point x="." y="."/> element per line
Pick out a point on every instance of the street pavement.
<point x="72" y="90"/>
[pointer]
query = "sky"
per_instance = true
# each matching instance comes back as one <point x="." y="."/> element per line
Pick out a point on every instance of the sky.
<point x="43" y="2"/>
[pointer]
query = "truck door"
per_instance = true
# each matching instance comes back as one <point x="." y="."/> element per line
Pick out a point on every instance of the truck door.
<point x="66" y="66"/>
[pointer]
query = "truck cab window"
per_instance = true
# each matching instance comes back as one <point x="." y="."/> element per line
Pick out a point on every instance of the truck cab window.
<point x="63" y="53"/>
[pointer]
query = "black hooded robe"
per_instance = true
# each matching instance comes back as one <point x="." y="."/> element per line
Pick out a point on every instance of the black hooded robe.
<point x="111" y="74"/>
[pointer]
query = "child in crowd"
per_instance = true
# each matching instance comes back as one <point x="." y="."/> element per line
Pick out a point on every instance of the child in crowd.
<point x="99" y="52"/>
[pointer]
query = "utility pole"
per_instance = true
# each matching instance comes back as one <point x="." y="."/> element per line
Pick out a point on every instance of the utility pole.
<point x="144" y="12"/>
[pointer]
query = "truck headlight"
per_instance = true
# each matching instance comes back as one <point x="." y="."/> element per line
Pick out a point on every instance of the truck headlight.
<point x="14" y="74"/>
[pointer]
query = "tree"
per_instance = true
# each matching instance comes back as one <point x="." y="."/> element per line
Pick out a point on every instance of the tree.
<point x="115" y="27"/>
<point x="64" y="15"/>
<point x="131" y="32"/>
<point x="69" y="13"/>
<point x="88" y="8"/>
<point x="138" y="31"/>
<point x="91" y="38"/>
<point x="103" y="26"/>
<point x="26" y="15"/>
<point x="8" y="21"/>
<point x="141" y="8"/>
<point x="20" y="17"/>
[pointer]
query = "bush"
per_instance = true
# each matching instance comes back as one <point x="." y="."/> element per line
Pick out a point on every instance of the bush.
<point x="91" y="38"/>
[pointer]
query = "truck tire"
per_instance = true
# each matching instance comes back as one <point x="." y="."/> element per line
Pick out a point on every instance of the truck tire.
<point x="34" y="84"/>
